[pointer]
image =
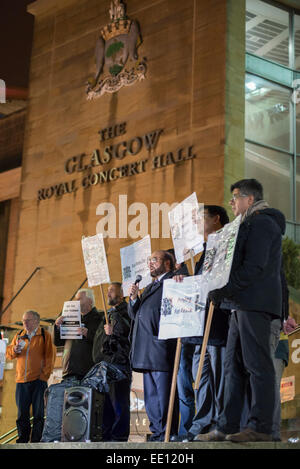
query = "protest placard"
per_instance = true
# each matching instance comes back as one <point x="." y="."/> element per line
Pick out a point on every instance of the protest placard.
<point x="95" y="260"/>
<point x="186" y="224"/>
<point x="183" y="304"/>
<point x="219" y="255"/>
<point x="182" y="308"/>
<point x="134" y="262"/>
<point x="71" y="320"/>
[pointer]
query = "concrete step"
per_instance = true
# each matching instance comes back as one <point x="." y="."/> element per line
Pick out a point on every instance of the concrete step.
<point x="185" y="447"/>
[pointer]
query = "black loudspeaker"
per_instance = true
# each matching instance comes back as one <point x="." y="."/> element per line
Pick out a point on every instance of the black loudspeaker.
<point x="82" y="414"/>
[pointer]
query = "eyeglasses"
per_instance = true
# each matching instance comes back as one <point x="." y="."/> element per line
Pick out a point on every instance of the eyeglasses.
<point x="154" y="260"/>
<point x="236" y="196"/>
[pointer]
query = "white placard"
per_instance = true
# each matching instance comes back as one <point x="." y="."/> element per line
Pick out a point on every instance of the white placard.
<point x="2" y="357"/>
<point x="95" y="260"/>
<point x="71" y="320"/>
<point x="183" y="308"/>
<point x="219" y="255"/>
<point x="134" y="261"/>
<point x="186" y="224"/>
<point x="183" y="304"/>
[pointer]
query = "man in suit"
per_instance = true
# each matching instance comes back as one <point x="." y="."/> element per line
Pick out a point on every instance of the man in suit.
<point x="149" y="355"/>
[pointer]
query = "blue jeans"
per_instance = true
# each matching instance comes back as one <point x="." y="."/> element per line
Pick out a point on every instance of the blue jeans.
<point x="209" y="396"/>
<point x="27" y="394"/>
<point x="185" y="388"/>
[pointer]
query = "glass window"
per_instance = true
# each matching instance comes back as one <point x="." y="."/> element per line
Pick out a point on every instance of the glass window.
<point x="274" y="170"/>
<point x="298" y="126"/>
<point x="268" y="113"/>
<point x="267" y="31"/>
<point x="297" y="42"/>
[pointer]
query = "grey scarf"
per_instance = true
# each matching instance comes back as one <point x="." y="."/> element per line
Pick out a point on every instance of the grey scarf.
<point x="259" y="205"/>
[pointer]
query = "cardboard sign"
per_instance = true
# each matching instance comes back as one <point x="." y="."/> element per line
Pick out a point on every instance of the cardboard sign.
<point x="71" y="320"/>
<point x="183" y="304"/>
<point x="95" y="260"/>
<point x="182" y="308"/>
<point x="134" y="261"/>
<point x="186" y="224"/>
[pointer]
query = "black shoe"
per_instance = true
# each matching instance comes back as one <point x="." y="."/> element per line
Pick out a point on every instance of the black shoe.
<point x="22" y="440"/>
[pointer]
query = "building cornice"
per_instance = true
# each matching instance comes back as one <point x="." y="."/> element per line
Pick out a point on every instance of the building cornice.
<point x="48" y="7"/>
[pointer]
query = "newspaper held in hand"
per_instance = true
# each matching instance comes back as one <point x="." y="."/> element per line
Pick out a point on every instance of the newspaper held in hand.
<point x="71" y="314"/>
<point x="187" y="228"/>
<point x="134" y="262"/>
<point x="95" y="260"/>
<point x="183" y="304"/>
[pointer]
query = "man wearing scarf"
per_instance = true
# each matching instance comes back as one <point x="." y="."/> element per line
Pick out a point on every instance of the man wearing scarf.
<point x="255" y="297"/>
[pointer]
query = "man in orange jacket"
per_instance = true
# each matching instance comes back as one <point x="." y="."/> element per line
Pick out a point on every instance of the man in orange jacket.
<point x="35" y="354"/>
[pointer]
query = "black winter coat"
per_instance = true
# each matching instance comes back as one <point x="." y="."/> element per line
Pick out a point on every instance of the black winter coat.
<point x="255" y="279"/>
<point x="77" y="356"/>
<point x="114" y="348"/>
<point x="148" y="353"/>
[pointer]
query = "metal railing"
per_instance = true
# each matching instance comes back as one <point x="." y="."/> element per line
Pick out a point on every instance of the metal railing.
<point x="19" y="291"/>
<point x="13" y="430"/>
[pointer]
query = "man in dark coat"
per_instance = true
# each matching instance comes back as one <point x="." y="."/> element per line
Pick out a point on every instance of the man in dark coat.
<point x="209" y="396"/>
<point x="111" y="344"/>
<point x="77" y="356"/>
<point x="254" y="293"/>
<point x="149" y="355"/>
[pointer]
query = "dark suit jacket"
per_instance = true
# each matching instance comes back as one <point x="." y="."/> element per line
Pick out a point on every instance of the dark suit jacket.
<point x="148" y="353"/>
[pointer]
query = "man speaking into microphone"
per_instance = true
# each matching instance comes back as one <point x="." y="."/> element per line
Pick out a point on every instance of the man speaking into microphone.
<point x="149" y="355"/>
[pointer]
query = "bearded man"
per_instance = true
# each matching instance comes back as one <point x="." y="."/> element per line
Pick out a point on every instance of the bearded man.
<point x="150" y="355"/>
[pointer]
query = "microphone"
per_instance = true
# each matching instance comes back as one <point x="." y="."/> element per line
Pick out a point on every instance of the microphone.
<point x="137" y="280"/>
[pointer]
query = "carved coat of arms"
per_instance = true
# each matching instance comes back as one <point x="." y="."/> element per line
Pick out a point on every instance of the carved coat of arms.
<point x="117" y="62"/>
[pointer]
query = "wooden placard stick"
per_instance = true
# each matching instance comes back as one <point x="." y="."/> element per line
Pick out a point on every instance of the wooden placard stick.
<point x="173" y="390"/>
<point x="192" y="261"/>
<point x="175" y="371"/>
<point x="104" y="305"/>
<point x="204" y="344"/>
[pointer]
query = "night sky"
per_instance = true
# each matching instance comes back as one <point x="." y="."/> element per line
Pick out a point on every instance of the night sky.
<point x="16" y="32"/>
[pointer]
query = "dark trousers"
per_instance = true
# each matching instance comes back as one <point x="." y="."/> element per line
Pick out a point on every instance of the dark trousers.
<point x="209" y="396"/>
<point x="157" y="389"/>
<point x="248" y="358"/>
<point x="27" y="395"/>
<point x="116" y="412"/>
<point x="185" y="388"/>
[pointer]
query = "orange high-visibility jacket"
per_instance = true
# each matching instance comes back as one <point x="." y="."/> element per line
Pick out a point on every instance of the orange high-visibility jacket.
<point x="36" y="360"/>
